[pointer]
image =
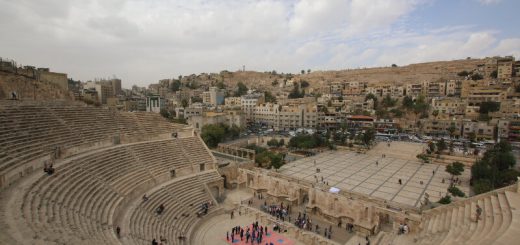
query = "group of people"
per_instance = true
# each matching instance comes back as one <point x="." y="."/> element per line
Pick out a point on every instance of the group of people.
<point x="253" y="233"/>
<point x="278" y="211"/>
<point x="162" y="240"/>
<point x="403" y="229"/>
<point x="204" y="207"/>
<point x="47" y="168"/>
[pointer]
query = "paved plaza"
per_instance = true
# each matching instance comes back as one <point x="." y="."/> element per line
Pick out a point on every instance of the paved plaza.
<point x="359" y="172"/>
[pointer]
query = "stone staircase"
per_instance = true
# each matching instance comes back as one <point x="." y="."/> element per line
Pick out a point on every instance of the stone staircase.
<point x="456" y="223"/>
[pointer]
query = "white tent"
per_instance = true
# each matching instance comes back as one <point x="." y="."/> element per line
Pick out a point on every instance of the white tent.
<point x="334" y="190"/>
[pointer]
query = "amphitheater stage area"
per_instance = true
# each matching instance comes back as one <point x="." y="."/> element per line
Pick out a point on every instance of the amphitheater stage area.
<point x="377" y="176"/>
<point x="213" y="231"/>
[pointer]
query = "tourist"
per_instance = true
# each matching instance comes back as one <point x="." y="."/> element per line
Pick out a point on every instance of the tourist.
<point x="227" y="235"/>
<point x="160" y="209"/>
<point x="479" y="212"/>
<point x="400" y="182"/>
<point x="154" y="242"/>
<point x="118" y="232"/>
<point x="241" y="234"/>
<point x="182" y="237"/>
<point x="145" y="198"/>
<point x="232" y="214"/>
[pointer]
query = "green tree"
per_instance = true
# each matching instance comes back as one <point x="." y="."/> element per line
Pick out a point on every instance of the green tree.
<point x="495" y="169"/>
<point x="212" y="134"/>
<point x="388" y="101"/>
<point x="455" y="169"/>
<point x="184" y="103"/>
<point x="445" y="200"/>
<point x="431" y="147"/>
<point x="441" y="146"/>
<point x="272" y="142"/>
<point x="165" y="113"/>
<point x="221" y="85"/>
<point x="175" y="85"/>
<point x="196" y="99"/>
<point x="463" y="74"/>
<point x="489" y="106"/>
<point x="397" y="113"/>
<point x="472" y="136"/>
<point x="368" y="137"/>
<point x="421" y="106"/>
<point x="408" y="102"/>
<point x="241" y="89"/>
<point x="373" y="97"/>
<point x="452" y="129"/>
<point x="435" y="113"/>
<point x="476" y="76"/>
<point x="305" y="141"/>
<point x="269" y="97"/>
<point x="494" y="74"/>
<point x="304" y="84"/>
<point x="303" y="72"/>
<point x="295" y="93"/>
<point x="308" y="71"/>
<point x="456" y="191"/>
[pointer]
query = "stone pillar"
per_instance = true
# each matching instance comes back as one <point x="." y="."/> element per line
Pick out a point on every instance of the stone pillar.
<point x="517" y="184"/>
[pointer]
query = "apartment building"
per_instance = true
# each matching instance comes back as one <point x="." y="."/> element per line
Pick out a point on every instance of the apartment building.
<point x="442" y="127"/>
<point x="479" y="91"/>
<point x="287" y="117"/>
<point x="414" y="89"/>
<point x="233" y="101"/>
<point x="482" y="130"/>
<point x="505" y="68"/>
<point x="449" y="106"/>
<point x="249" y="102"/>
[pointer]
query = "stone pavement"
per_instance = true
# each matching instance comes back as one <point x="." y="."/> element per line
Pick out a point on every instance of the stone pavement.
<point x="377" y="176"/>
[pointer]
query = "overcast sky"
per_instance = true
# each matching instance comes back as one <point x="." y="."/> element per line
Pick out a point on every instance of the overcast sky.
<point x="143" y="41"/>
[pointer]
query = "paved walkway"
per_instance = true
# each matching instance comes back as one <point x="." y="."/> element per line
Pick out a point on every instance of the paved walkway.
<point x="377" y="176"/>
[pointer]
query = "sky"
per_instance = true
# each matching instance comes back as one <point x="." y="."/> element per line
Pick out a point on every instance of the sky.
<point x="143" y="41"/>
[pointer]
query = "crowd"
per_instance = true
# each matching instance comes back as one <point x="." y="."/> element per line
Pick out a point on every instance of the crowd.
<point x="253" y="233"/>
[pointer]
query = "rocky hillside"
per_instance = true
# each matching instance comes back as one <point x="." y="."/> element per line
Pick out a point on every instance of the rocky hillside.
<point x="28" y="88"/>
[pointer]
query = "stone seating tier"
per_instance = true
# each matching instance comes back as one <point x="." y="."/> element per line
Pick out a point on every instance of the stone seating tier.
<point x="32" y="131"/>
<point x="456" y="224"/>
<point x="182" y="200"/>
<point x="76" y="203"/>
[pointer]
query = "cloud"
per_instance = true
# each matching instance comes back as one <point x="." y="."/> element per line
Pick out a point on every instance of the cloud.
<point x="144" y="41"/>
<point x="489" y="2"/>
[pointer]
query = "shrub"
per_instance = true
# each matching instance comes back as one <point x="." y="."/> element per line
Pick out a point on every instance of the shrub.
<point x="456" y="191"/>
<point x="481" y="186"/>
<point x="445" y="200"/>
<point x="423" y="157"/>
